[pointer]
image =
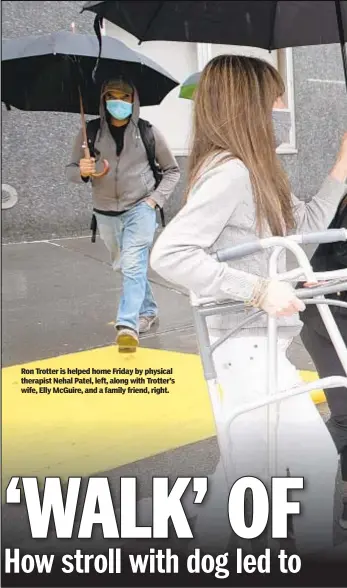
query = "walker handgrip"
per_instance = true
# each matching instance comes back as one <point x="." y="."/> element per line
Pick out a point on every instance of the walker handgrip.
<point x="329" y="236"/>
<point x="238" y="251"/>
<point x="244" y="249"/>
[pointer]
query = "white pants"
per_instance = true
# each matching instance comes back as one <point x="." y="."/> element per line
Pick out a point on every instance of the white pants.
<point x="304" y="446"/>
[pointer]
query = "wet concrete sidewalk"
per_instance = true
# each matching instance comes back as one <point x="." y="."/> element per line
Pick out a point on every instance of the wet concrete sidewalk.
<point x="61" y="296"/>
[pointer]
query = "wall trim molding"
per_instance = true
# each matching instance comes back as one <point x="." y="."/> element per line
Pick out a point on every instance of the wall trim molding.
<point x="289" y="63"/>
<point x="204" y="53"/>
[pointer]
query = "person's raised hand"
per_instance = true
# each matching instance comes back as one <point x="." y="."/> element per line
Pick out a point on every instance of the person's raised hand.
<point x="339" y="171"/>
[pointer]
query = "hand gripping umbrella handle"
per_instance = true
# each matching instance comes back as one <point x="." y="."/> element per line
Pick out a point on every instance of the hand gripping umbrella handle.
<point x="104" y="171"/>
<point x="86" y="148"/>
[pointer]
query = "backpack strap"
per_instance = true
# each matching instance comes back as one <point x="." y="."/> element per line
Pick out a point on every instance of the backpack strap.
<point x="93" y="227"/>
<point x="147" y="136"/>
<point x="148" y="139"/>
<point x="92" y="130"/>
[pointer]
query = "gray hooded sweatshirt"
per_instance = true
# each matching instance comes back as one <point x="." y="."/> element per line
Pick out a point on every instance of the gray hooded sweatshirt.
<point x="130" y="178"/>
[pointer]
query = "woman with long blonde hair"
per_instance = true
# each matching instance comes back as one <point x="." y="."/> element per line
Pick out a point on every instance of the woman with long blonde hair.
<point x="237" y="191"/>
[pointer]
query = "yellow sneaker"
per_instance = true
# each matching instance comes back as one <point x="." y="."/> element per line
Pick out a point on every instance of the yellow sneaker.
<point x="127" y="340"/>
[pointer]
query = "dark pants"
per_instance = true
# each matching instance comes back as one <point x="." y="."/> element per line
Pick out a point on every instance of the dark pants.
<point x="317" y="342"/>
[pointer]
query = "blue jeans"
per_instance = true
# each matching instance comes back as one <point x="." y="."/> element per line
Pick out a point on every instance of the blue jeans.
<point x="128" y="238"/>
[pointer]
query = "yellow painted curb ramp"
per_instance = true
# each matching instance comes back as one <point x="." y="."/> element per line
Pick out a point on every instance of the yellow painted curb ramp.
<point x="81" y="434"/>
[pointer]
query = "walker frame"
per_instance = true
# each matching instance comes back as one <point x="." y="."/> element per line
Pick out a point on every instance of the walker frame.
<point x="335" y="281"/>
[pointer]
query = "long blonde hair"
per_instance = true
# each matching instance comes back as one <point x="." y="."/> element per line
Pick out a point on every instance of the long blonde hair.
<point x="233" y="116"/>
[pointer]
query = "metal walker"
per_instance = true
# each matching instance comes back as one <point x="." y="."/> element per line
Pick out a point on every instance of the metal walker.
<point x="202" y="308"/>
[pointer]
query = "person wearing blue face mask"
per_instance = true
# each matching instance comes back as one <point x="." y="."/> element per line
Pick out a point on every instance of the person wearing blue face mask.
<point x="120" y="110"/>
<point x="124" y="202"/>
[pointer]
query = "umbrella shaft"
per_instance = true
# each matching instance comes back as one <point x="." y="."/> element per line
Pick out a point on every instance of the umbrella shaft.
<point x="84" y="128"/>
<point x="342" y="37"/>
<point x="344" y="61"/>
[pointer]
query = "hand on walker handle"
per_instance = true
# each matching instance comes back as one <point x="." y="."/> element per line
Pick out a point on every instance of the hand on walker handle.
<point x="280" y="300"/>
<point x="314" y="284"/>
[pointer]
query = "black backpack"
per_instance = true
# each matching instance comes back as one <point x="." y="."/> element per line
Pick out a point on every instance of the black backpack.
<point x="148" y="140"/>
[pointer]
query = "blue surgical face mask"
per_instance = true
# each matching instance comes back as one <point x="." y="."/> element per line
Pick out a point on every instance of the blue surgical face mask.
<point x="119" y="109"/>
<point x="282" y="124"/>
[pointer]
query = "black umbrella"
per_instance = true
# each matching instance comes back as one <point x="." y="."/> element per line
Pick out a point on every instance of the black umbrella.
<point x="53" y="72"/>
<point x="45" y="73"/>
<point x="268" y="24"/>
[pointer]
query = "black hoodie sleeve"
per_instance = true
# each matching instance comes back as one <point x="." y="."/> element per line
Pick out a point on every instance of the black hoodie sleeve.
<point x="333" y="256"/>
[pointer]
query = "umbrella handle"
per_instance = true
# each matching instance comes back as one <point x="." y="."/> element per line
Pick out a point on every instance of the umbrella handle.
<point x="105" y="162"/>
<point x="104" y="171"/>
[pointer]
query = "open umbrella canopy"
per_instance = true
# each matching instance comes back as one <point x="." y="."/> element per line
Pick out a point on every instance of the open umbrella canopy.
<point x="268" y="24"/>
<point x="189" y="86"/>
<point x="45" y="73"/>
